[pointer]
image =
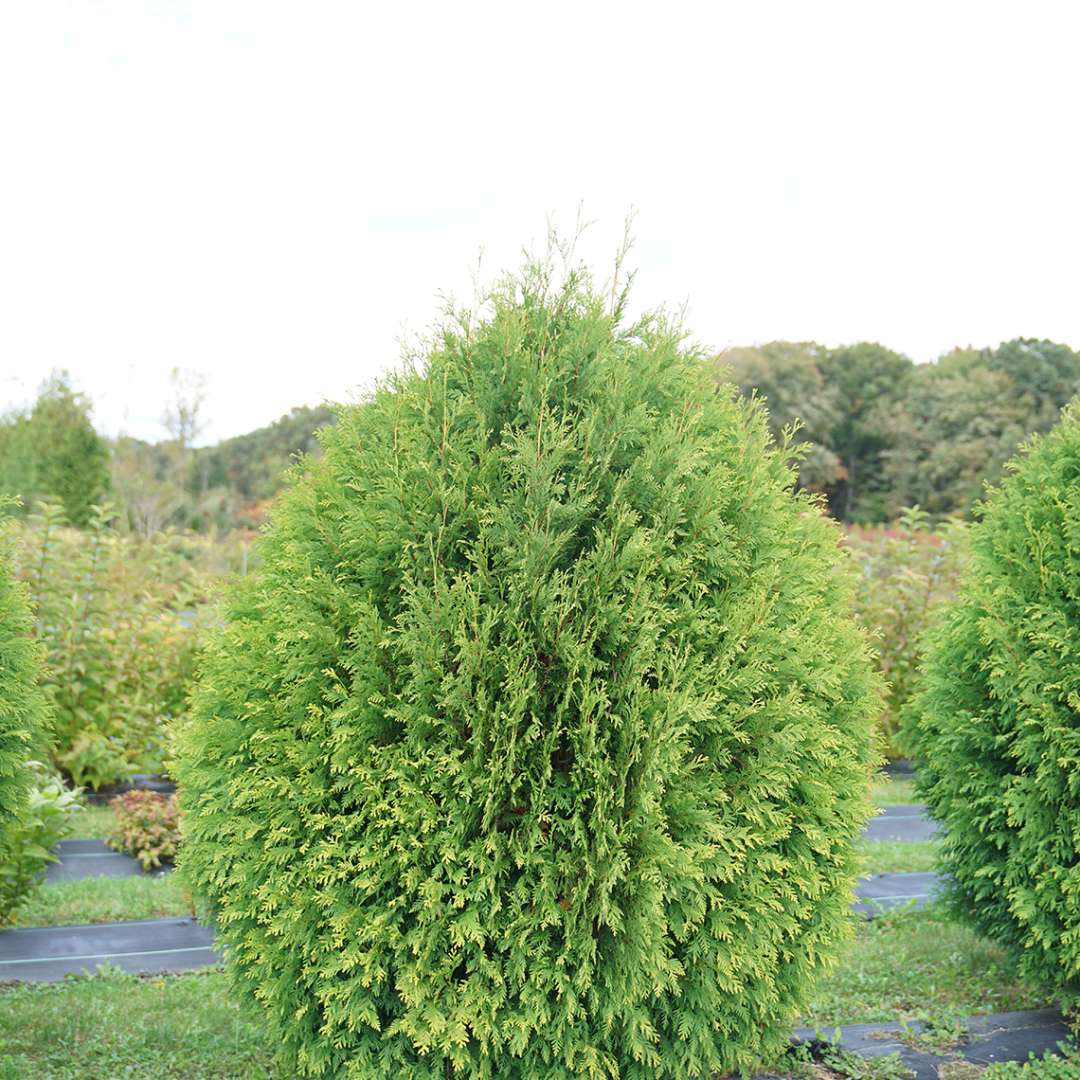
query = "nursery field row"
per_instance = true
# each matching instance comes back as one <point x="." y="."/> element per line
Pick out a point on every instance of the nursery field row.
<point x="906" y="966"/>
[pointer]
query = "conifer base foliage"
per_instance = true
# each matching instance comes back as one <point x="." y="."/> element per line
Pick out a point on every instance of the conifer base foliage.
<point x="22" y="704"/>
<point x="997" y="725"/>
<point x="537" y="748"/>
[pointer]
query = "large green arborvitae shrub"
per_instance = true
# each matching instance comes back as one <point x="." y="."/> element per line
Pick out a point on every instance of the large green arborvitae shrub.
<point x="22" y="704"/>
<point x="537" y="747"/>
<point x="996" y="727"/>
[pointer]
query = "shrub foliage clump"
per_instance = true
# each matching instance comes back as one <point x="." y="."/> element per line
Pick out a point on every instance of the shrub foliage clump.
<point x="23" y="716"/>
<point x="537" y="747"/>
<point x="996" y="727"/>
<point x="146" y="826"/>
<point x="906" y="572"/>
<point x="119" y="651"/>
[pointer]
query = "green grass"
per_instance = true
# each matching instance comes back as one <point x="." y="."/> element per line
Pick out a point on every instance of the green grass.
<point x="118" y="1026"/>
<point x="897" y="856"/>
<point x="93" y="823"/>
<point x="906" y="964"/>
<point x="102" y="899"/>
<point x="186" y="1027"/>
<point x="891" y="791"/>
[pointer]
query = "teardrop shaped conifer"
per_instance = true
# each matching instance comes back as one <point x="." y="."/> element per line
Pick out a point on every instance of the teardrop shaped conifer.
<point x="537" y="746"/>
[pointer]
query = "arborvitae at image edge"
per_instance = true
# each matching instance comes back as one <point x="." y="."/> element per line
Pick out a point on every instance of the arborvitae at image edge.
<point x="536" y="747"/>
<point x="996" y="727"/>
<point x="23" y="716"/>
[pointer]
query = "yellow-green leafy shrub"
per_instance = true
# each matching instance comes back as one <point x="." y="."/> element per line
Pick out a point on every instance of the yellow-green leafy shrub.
<point x="537" y="746"/>
<point x="996" y="727"/>
<point x="48" y="816"/>
<point x="116" y="616"/>
<point x="906" y="572"/>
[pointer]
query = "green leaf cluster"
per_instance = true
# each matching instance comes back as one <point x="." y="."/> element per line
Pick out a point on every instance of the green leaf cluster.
<point x="47" y="818"/>
<point x="996" y="726"/>
<point x="117" y="618"/>
<point x="537" y="747"/>
<point x="906" y="572"/>
<point x="23" y="715"/>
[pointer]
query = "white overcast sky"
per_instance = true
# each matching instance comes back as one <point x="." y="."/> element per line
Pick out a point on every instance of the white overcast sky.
<point x="273" y="193"/>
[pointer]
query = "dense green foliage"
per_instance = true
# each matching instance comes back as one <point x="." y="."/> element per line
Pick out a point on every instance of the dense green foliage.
<point x="538" y="746"/>
<point x="905" y="573"/>
<point x="996" y="728"/>
<point x="870" y="382"/>
<point x="23" y="718"/>
<point x="47" y="817"/>
<point x="884" y="433"/>
<point x="116" y="617"/>
<point x="53" y="452"/>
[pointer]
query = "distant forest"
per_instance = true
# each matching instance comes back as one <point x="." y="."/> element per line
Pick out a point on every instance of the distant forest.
<point x="880" y="433"/>
<point x="52" y="452"/>
<point x="875" y="432"/>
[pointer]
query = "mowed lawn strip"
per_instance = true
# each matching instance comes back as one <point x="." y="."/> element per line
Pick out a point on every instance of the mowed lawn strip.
<point x="93" y="823"/>
<point x="888" y="790"/>
<point x="906" y="964"/>
<point x="103" y="899"/>
<point x="182" y="1027"/>
<point x="897" y="856"/>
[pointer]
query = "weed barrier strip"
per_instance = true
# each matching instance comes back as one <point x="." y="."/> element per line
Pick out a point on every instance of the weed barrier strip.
<point x="996" y="1037"/>
<point x="50" y="952"/>
<point x="106" y="956"/>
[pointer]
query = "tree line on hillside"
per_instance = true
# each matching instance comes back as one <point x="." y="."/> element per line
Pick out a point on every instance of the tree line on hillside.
<point x="880" y="433"/>
<point x="877" y="433"/>
<point x="51" y="451"/>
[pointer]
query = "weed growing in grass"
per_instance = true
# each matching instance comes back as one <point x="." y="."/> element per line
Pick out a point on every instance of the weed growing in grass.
<point x="1062" y="1066"/>
<point x="823" y="1058"/>
<point x="45" y="820"/>
<point x="940" y="1031"/>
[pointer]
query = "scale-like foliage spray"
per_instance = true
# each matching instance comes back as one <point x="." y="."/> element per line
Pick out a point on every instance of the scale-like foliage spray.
<point x="23" y="716"/>
<point x="537" y="747"/>
<point x="997" y="724"/>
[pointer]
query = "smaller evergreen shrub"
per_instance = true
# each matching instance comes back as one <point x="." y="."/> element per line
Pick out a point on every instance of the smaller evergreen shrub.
<point x="23" y="715"/>
<point x="996" y="727"/>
